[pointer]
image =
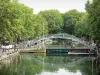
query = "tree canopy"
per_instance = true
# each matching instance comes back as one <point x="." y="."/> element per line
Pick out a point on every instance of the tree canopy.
<point x="93" y="10"/>
<point x="54" y="19"/>
<point x="82" y="26"/>
<point x="18" y="21"/>
<point x="70" y="18"/>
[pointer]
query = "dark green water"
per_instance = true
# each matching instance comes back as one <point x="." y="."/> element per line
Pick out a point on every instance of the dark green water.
<point x="30" y="64"/>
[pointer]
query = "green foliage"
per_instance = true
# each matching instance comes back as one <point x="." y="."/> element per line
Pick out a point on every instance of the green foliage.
<point x="17" y="21"/>
<point x="74" y="14"/>
<point x="70" y="18"/>
<point x="54" y="19"/>
<point x="93" y="10"/>
<point x="11" y="23"/>
<point x="68" y="26"/>
<point x="41" y="27"/>
<point x="82" y="26"/>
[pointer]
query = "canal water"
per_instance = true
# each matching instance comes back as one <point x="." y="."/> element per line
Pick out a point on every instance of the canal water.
<point x="51" y="64"/>
<point x="56" y="64"/>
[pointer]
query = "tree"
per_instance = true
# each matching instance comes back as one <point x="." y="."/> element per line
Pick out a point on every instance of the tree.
<point x="82" y="26"/>
<point x="27" y="17"/>
<point x="68" y="26"/>
<point x="70" y="18"/>
<point x="10" y="21"/>
<point x="93" y="10"/>
<point x="18" y="22"/>
<point x="41" y="25"/>
<point x="54" y="19"/>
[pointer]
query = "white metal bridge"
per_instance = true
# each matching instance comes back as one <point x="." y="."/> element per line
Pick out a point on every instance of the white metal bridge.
<point x="62" y="36"/>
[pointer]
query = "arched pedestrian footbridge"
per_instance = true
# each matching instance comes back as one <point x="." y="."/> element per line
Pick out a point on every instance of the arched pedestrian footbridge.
<point x="81" y="46"/>
<point x="63" y="36"/>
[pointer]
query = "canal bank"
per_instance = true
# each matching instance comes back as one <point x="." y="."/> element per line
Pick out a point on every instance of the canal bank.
<point x="8" y="54"/>
<point x="13" y="53"/>
<point x="42" y="49"/>
<point x="33" y="50"/>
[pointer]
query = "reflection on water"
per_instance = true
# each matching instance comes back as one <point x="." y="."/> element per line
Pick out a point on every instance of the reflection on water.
<point x="61" y="72"/>
<point x="40" y="64"/>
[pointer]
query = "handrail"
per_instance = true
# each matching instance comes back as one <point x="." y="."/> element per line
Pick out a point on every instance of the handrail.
<point x="63" y="36"/>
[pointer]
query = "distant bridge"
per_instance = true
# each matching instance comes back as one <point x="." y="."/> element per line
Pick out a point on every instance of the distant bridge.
<point x="85" y="49"/>
<point x="63" y="36"/>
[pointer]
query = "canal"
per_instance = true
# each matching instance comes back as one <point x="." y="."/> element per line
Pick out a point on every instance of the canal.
<point x="51" y="64"/>
<point x="41" y="64"/>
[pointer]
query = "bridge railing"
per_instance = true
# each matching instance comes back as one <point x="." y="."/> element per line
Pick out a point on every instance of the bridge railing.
<point x="64" y="36"/>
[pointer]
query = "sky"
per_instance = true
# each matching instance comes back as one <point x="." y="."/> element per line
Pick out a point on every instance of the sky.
<point x="61" y="5"/>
